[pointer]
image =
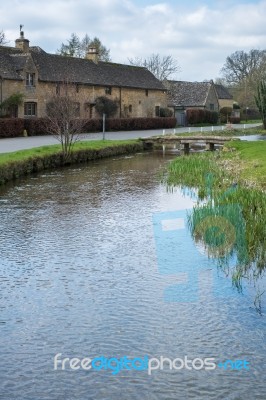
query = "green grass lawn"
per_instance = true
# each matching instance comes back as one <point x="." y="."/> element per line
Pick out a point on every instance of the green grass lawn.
<point x="252" y="157"/>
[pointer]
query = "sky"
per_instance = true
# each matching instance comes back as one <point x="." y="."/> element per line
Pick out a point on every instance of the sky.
<point x="199" y="34"/>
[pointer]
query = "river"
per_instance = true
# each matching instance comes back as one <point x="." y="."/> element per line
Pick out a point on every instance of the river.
<point x="82" y="275"/>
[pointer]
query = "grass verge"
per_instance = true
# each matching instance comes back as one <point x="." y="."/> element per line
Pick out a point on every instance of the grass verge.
<point x="228" y="132"/>
<point x="23" y="162"/>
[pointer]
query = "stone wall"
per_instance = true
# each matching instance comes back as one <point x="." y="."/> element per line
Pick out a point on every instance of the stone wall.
<point x="132" y="102"/>
<point x="212" y="99"/>
<point x="226" y="103"/>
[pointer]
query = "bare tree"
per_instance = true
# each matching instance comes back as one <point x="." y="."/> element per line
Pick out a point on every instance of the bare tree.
<point x="2" y="38"/>
<point x="63" y="118"/>
<point x="241" y="65"/>
<point x="243" y="71"/>
<point x="161" y="67"/>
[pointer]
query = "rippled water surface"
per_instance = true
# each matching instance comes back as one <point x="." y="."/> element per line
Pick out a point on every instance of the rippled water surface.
<point x="79" y="276"/>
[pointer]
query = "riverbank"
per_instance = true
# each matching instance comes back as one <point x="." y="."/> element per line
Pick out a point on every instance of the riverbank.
<point x="246" y="162"/>
<point x="240" y="161"/>
<point x="24" y="162"/>
<point x="232" y="183"/>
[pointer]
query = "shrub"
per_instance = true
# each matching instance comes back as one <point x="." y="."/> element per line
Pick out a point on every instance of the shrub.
<point x="166" y="112"/>
<point x="198" y="116"/>
<point x="250" y="113"/>
<point x="36" y="126"/>
<point x="234" y="120"/>
<point x="225" y="113"/>
<point x="130" y="124"/>
<point x="103" y="105"/>
<point x="11" y="127"/>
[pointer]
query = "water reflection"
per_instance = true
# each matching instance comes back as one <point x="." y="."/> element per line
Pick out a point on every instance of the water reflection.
<point x="231" y="229"/>
<point x="80" y="276"/>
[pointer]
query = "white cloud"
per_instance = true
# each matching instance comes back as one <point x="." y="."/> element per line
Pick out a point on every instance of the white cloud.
<point x="199" y="34"/>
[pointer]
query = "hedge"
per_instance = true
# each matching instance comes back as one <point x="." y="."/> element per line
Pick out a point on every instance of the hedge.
<point x="197" y="116"/>
<point x="234" y="120"/>
<point x="131" y="124"/>
<point x="11" y="127"/>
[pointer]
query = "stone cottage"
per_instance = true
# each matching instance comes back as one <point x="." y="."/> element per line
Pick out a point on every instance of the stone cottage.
<point x="183" y="95"/>
<point x="39" y="76"/>
<point x="224" y="97"/>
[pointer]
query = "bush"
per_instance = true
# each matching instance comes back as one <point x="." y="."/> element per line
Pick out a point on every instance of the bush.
<point x="198" y="116"/>
<point x="11" y="127"/>
<point x="166" y="112"/>
<point x="106" y="106"/>
<point x="250" y="114"/>
<point x="234" y="120"/>
<point x="36" y="126"/>
<point x="131" y="124"/>
<point x="225" y="113"/>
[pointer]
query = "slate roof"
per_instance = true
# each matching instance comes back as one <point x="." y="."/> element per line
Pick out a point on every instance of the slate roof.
<point x="8" y="68"/>
<point x="56" y="68"/>
<point x="187" y="94"/>
<point x="222" y="92"/>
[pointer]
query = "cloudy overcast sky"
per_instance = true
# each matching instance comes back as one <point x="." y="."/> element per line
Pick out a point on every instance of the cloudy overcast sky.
<point x="200" y="34"/>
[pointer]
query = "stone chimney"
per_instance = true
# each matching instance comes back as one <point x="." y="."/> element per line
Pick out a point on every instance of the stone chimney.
<point x="92" y="54"/>
<point x="22" y="43"/>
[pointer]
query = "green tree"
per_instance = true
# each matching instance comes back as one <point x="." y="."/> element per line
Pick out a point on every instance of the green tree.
<point x="76" y="47"/>
<point x="72" y="48"/>
<point x="11" y="103"/>
<point x="260" y="100"/>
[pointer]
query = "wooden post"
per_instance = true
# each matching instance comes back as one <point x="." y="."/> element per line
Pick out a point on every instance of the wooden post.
<point x="210" y="146"/>
<point x="186" y="148"/>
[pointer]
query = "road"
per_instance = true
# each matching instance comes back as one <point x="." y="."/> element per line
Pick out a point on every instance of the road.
<point x="22" y="143"/>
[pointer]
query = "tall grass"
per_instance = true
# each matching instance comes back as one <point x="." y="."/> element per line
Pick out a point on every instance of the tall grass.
<point x="232" y="219"/>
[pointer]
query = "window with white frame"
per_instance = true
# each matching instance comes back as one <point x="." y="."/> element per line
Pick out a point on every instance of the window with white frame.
<point x="30" y="79"/>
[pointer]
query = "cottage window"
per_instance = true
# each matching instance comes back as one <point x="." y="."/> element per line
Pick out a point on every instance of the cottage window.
<point x="108" y="90"/>
<point x="147" y="92"/>
<point x="57" y="89"/>
<point x="77" y="88"/>
<point x="30" y="109"/>
<point x="30" y="79"/>
<point x="130" y="108"/>
<point x="211" y="107"/>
